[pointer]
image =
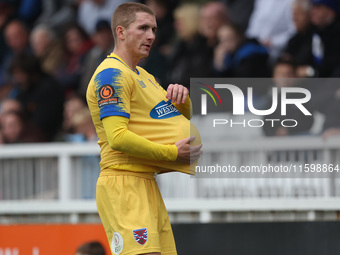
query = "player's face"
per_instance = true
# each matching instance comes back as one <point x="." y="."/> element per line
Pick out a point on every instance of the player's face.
<point x="141" y="34"/>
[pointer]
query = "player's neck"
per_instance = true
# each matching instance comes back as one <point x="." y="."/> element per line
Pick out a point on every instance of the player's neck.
<point x="127" y="58"/>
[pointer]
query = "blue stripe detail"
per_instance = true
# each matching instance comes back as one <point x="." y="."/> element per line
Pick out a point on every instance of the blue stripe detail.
<point x="108" y="76"/>
<point x="108" y="114"/>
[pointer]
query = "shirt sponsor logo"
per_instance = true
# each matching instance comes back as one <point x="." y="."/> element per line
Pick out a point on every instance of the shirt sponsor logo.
<point x="164" y="110"/>
<point x="106" y="94"/>
<point x="106" y="91"/>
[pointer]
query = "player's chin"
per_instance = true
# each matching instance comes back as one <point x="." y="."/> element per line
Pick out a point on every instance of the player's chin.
<point x="144" y="54"/>
<point x="145" y="50"/>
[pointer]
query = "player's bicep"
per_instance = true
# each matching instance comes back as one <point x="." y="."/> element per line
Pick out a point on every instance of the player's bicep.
<point x="113" y="93"/>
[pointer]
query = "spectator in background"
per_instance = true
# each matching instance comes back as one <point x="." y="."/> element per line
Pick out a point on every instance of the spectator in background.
<point x="272" y="24"/>
<point x="12" y="127"/>
<point x="103" y="46"/>
<point x="191" y="56"/>
<point x="77" y="44"/>
<point x="82" y="125"/>
<point x="239" y="12"/>
<point x="10" y="105"/>
<point x="28" y="11"/>
<point x="72" y="105"/>
<point x="39" y="93"/>
<point x="213" y="15"/>
<point x="6" y="14"/>
<point x="326" y="37"/>
<point x="283" y="75"/>
<point x="299" y="46"/>
<point x="15" y="128"/>
<point x="56" y="14"/>
<point x="165" y="28"/>
<point x="90" y="11"/>
<point x="240" y="57"/>
<point x="237" y="56"/>
<point x="17" y="39"/>
<point x="80" y="128"/>
<point x="2" y="141"/>
<point x="91" y="248"/>
<point x="47" y="47"/>
<point x="156" y="63"/>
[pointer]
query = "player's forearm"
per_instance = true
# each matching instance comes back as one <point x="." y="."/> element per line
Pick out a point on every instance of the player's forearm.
<point x="123" y="140"/>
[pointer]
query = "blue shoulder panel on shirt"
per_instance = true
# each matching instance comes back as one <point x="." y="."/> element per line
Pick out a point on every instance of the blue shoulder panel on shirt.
<point x="109" y="93"/>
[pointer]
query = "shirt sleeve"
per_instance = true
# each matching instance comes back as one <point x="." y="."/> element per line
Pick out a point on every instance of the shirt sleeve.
<point x="123" y="140"/>
<point x="185" y="109"/>
<point x="113" y="92"/>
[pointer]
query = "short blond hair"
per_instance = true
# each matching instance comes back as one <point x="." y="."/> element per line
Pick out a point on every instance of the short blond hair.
<point x="125" y="14"/>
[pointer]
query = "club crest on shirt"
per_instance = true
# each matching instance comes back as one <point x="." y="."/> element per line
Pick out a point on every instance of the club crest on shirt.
<point x="140" y="235"/>
<point x="164" y="110"/>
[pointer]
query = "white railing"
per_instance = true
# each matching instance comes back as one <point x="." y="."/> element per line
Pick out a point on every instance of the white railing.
<point x="48" y="171"/>
<point x="60" y="178"/>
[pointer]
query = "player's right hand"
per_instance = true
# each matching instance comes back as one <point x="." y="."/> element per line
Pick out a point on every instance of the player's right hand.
<point x="186" y="152"/>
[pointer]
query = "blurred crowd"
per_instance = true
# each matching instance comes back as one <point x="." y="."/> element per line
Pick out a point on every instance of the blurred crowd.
<point x="49" y="50"/>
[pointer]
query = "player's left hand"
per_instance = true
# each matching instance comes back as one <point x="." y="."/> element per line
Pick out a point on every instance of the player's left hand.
<point x="177" y="93"/>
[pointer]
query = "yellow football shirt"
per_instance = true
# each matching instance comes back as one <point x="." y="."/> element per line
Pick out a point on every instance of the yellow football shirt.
<point x="116" y="90"/>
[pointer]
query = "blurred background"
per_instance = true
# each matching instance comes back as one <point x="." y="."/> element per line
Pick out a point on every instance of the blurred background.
<point x="49" y="159"/>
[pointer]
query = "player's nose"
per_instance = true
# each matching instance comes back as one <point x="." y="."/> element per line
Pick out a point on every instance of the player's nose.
<point x="151" y="35"/>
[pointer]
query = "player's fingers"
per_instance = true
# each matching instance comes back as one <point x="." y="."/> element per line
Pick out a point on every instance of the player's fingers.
<point x="174" y="93"/>
<point x="169" y="91"/>
<point x="185" y="95"/>
<point x="192" y="138"/>
<point x="180" y="94"/>
<point x="195" y="156"/>
<point x="196" y="148"/>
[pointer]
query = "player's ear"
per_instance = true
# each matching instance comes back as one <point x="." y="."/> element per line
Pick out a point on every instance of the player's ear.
<point x="120" y="32"/>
